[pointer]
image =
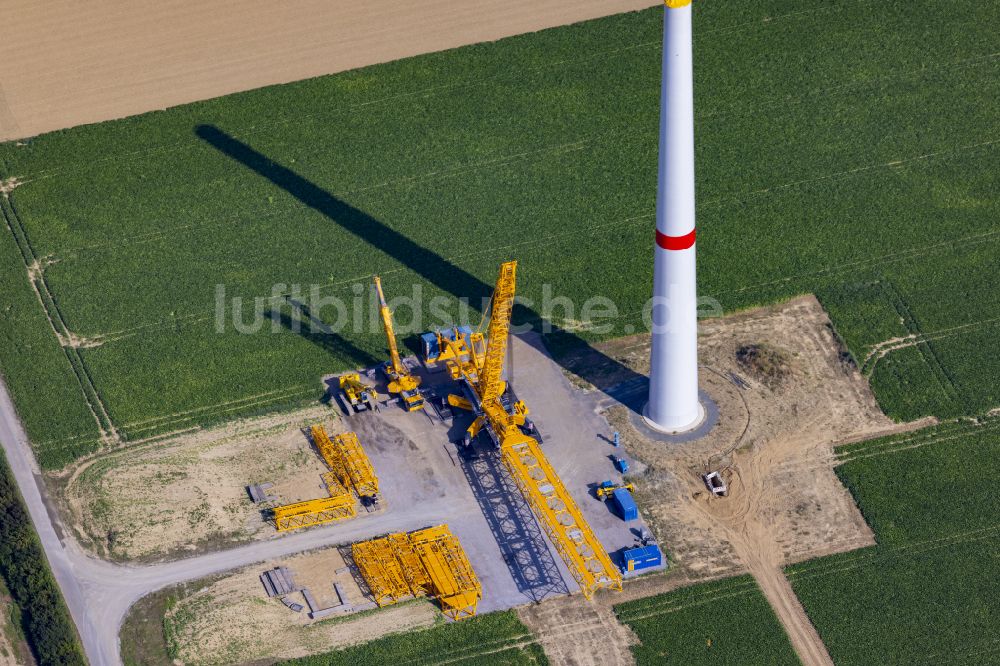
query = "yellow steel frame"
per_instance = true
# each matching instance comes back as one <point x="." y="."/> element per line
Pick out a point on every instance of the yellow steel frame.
<point x="491" y="386"/>
<point x="314" y="512"/>
<point x="410" y="564"/>
<point x="345" y="457"/>
<point x="357" y="470"/>
<point x="382" y="571"/>
<point x="426" y="562"/>
<point x="333" y="485"/>
<point x="454" y="584"/>
<point x="572" y="536"/>
<point x="325" y="447"/>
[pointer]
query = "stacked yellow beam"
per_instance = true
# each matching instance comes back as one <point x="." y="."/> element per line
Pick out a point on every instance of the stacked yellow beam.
<point x="429" y="561"/>
<point x="344" y="456"/>
<point x="314" y="512"/>
<point x="341" y="503"/>
<point x="453" y="582"/>
<point x="572" y="536"/>
<point x="382" y="571"/>
<point x="409" y="560"/>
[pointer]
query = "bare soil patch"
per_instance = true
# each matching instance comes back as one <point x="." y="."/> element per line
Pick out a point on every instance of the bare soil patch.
<point x="70" y="63"/>
<point x="574" y="631"/>
<point x="780" y="415"/>
<point x="185" y="492"/>
<point x="232" y="620"/>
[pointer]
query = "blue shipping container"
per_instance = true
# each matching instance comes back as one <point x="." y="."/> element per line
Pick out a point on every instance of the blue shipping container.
<point x="430" y="341"/>
<point x="646" y="557"/>
<point x="624" y="504"/>
<point x="432" y="349"/>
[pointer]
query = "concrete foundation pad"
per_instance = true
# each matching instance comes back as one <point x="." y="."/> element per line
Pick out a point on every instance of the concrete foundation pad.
<point x="708" y="421"/>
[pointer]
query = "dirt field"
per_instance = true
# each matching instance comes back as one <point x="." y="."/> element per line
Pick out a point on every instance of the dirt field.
<point x="177" y="494"/>
<point x="69" y="63"/>
<point x="233" y="621"/>
<point x="774" y="446"/>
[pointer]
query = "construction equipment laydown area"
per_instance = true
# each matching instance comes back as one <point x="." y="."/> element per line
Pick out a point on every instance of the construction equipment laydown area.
<point x="351" y="474"/>
<point x="476" y="361"/>
<point x="429" y="562"/>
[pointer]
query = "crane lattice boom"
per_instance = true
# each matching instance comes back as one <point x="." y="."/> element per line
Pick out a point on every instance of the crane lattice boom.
<point x="535" y="477"/>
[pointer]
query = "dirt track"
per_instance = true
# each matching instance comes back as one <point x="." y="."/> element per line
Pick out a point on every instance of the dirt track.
<point x="68" y="63"/>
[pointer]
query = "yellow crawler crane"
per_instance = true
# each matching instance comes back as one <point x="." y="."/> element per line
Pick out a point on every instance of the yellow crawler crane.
<point x="426" y="562"/>
<point x="345" y="457"/>
<point x="556" y="509"/>
<point x="400" y="379"/>
<point x="453" y="582"/>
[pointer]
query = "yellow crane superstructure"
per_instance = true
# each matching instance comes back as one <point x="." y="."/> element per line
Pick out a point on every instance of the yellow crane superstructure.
<point x="426" y="562"/>
<point x="544" y="491"/>
<point x="401" y="381"/>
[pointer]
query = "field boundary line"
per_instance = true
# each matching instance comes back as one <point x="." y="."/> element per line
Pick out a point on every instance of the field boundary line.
<point x="947" y="428"/>
<point x="826" y="93"/>
<point x="923" y="346"/>
<point x="892" y="257"/>
<point x="874" y="551"/>
<point x="907" y="445"/>
<point x="502" y="160"/>
<point x="36" y="278"/>
<point x="882" y="552"/>
<point x="253" y="216"/>
<point x="847" y="173"/>
<point x="218" y="413"/>
<point x="250" y="398"/>
<point x="505" y="76"/>
<point x="893" y="555"/>
<point x="886" y="347"/>
<point x="659" y="610"/>
<point x="203" y="316"/>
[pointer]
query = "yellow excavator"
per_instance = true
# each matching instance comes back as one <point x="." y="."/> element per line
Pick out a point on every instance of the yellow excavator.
<point x="401" y="381"/>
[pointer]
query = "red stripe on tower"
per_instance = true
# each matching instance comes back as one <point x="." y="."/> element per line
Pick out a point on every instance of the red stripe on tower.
<point x="675" y="242"/>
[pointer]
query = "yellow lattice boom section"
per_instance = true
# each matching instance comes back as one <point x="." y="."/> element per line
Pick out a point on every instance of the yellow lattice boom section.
<point x="382" y="571"/>
<point x="358" y="470"/>
<point x="325" y="447"/>
<point x="569" y="531"/>
<point x="426" y="562"/>
<point x="501" y="306"/>
<point x="410" y="564"/>
<point x="453" y="582"/>
<point x="345" y="457"/>
<point x="314" y="512"/>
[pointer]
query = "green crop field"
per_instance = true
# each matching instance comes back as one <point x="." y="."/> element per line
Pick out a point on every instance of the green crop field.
<point x="494" y="639"/>
<point x="929" y="593"/>
<point x="848" y="149"/>
<point x="719" y="623"/>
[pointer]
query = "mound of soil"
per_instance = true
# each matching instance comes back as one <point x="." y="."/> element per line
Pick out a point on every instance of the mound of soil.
<point x="765" y="363"/>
